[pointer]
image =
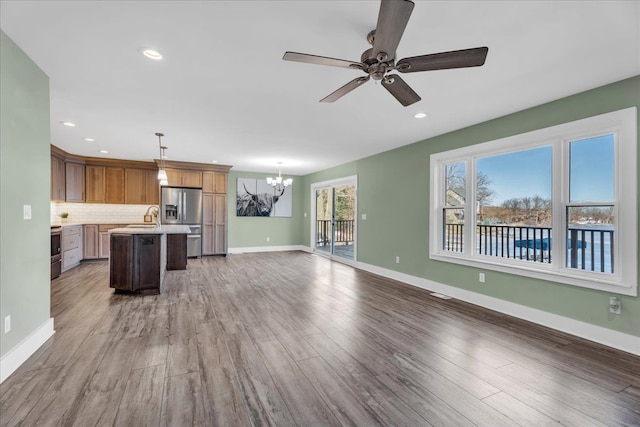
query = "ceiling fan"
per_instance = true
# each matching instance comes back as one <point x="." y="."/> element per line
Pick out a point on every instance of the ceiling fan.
<point x="378" y="61"/>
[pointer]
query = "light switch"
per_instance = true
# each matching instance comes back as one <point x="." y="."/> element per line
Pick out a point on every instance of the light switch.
<point x="26" y="211"/>
<point x="364" y="217"/>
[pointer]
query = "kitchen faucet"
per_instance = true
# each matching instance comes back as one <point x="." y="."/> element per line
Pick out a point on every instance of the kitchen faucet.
<point x="153" y="210"/>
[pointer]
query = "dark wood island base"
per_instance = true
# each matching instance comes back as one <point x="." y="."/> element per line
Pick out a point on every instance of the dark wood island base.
<point x="139" y="259"/>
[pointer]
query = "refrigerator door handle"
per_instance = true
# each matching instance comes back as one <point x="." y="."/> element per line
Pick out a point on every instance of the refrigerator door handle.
<point x="180" y="206"/>
<point x="184" y="205"/>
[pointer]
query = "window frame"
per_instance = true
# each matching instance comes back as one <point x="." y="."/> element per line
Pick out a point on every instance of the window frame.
<point x="623" y="125"/>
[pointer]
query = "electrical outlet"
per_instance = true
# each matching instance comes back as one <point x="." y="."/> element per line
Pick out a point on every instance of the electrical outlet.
<point x="268" y="239"/>
<point x="26" y="211"/>
<point x="614" y="305"/>
<point x="305" y="214"/>
<point x="364" y="217"/>
<point x="7" y="324"/>
<point x="397" y="260"/>
<point x="481" y="277"/>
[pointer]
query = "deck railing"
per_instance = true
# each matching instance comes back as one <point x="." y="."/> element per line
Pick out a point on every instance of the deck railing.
<point x="343" y="229"/>
<point x="588" y="248"/>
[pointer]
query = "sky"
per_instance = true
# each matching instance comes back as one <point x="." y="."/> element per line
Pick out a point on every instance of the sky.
<point x="528" y="173"/>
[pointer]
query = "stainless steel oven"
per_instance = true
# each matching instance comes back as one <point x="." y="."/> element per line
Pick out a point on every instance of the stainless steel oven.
<point x="56" y="255"/>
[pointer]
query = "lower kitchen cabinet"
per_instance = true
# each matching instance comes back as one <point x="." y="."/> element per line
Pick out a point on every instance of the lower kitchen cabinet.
<point x="71" y="246"/>
<point x="90" y="234"/>
<point x="135" y="264"/>
<point x="96" y="240"/>
<point x="176" y="251"/>
<point x="104" y="242"/>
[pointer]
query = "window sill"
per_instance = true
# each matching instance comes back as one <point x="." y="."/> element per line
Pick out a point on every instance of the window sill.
<point x="542" y="272"/>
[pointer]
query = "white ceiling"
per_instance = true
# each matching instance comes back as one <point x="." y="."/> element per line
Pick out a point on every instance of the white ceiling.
<point x="223" y="92"/>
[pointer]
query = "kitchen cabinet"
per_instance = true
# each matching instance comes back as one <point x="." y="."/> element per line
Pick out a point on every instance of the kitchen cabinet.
<point x="135" y="264"/>
<point x="214" y="182"/>
<point x="114" y="185"/>
<point x="71" y="246"/>
<point x="74" y="182"/>
<point x="104" y="184"/>
<point x="152" y="188"/>
<point x="95" y="184"/>
<point x="103" y="239"/>
<point x="184" y="178"/>
<point x="176" y="251"/>
<point x="141" y="187"/>
<point x="57" y="179"/>
<point x="214" y="224"/>
<point x="214" y="210"/>
<point x="90" y="242"/>
<point x="103" y="244"/>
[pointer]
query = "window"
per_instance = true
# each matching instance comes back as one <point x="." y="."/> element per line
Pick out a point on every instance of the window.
<point x="557" y="204"/>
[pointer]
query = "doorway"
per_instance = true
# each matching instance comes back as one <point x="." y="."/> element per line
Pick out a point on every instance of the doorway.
<point x="333" y="225"/>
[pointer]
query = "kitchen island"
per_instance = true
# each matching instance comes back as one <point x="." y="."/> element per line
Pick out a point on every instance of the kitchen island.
<point x="139" y="257"/>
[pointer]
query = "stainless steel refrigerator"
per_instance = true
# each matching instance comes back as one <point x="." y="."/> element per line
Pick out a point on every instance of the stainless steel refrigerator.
<point x="184" y="206"/>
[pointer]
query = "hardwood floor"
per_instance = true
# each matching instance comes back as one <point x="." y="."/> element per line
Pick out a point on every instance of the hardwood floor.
<point x="294" y="339"/>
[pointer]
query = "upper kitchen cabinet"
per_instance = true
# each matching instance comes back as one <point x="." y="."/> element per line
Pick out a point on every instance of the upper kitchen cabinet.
<point x="74" y="181"/>
<point x="114" y="183"/>
<point x="141" y="186"/>
<point x="95" y="184"/>
<point x="214" y="182"/>
<point x="184" y="178"/>
<point x="105" y="184"/>
<point x="57" y="177"/>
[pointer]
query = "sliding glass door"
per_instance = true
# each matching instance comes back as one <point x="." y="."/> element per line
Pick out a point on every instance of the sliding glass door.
<point x="333" y="228"/>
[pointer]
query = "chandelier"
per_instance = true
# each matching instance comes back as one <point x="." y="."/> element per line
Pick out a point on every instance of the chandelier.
<point x="278" y="182"/>
<point x="162" y="173"/>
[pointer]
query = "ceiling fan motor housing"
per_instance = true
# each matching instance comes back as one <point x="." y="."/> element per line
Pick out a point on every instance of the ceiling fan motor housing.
<point x="376" y="67"/>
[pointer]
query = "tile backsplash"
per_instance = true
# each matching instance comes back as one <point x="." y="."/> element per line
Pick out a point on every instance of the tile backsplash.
<point x="82" y="212"/>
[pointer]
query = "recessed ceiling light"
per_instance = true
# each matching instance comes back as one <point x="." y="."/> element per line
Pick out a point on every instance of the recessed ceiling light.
<point x="152" y="54"/>
<point x="71" y="125"/>
<point x="89" y="139"/>
<point x="104" y="151"/>
<point x="420" y="115"/>
<point x="214" y="161"/>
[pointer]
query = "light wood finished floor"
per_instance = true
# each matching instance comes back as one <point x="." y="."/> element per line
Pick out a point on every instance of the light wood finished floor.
<point x="295" y="339"/>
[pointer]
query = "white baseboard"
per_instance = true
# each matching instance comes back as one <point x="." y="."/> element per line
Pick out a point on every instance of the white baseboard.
<point x="20" y="353"/>
<point x="268" y="249"/>
<point x="605" y="336"/>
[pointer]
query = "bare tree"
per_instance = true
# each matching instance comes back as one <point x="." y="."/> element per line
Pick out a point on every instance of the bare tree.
<point x="484" y="192"/>
<point x="455" y="176"/>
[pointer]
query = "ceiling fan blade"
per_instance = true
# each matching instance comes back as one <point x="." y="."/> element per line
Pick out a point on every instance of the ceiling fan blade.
<point x="345" y="89"/>
<point x="444" y="60"/>
<point x="400" y="90"/>
<point x="321" y="60"/>
<point x="392" y="20"/>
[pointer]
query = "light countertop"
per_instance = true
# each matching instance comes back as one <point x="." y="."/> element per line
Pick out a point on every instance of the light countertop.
<point x="72" y="222"/>
<point x="164" y="229"/>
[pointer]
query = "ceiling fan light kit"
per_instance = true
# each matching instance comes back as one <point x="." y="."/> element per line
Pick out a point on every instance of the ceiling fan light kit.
<point x="380" y="60"/>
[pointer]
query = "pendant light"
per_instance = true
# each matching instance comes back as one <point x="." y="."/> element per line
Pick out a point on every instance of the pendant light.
<point x="162" y="173"/>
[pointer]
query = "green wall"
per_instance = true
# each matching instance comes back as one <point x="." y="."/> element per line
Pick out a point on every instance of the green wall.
<point x="252" y="232"/>
<point x="393" y="190"/>
<point x="24" y="180"/>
